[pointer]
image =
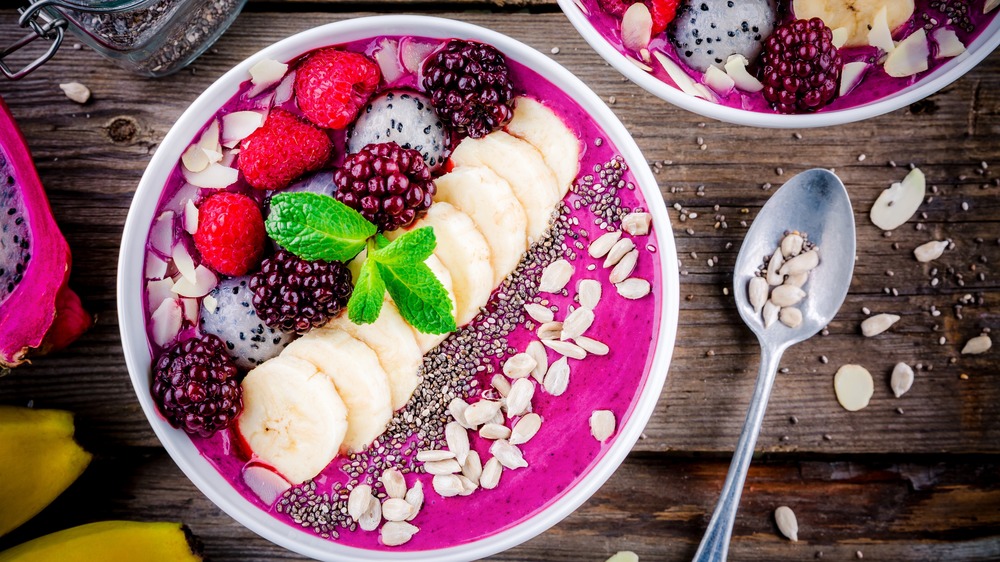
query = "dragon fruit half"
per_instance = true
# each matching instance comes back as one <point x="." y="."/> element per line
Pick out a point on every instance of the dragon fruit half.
<point x="39" y="313"/>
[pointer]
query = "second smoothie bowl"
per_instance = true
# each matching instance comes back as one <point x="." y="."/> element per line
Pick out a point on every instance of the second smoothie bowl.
<point x="398" y="284"/>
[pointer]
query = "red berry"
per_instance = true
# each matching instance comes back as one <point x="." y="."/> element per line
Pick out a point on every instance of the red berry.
<point x="281" y="150"/>
<point x="230" y="235"/>
<point x="332" y="85"/>
<point x="663" y="12"/>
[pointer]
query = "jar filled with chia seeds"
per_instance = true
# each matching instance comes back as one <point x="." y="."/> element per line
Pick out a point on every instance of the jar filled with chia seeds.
<point x="147" y="37"/>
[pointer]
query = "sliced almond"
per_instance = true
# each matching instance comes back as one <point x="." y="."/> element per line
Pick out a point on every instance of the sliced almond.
<point x="525" y="428"/>
<point x="618" y="251"/>
<point x="491" y="474"/>
<point x="589" y="291"/>
<point x="637" y="27"/>
<point x="909" y="57"/>
<point x="508" y="455"/>
<point x="555" y="276"/>
<point x="359" y="500"/>
<point x="493" y="431"/>
<point x="457" y="438"/>
<point x="566" y="348"/>
<point x="736" y="68"/>
<point x="948" y="43"/>
<point x="538" y="313"/>
<point x="773" y="277"/>
<point x="592" y="346"/>
<point x="577" y="323"/>
<point x="758" y="293"/>
<point x="395" y="533"/>
<point x="633" y="288"/>
<point x="977" y="345"/>
<point x="637" y="224"/>
<point x="930" y="251"/>
<point x="875" y="325"/>
<point x="787" y="295"/>
<point x="264" y="74"/>
<point x="520" y="365"/>
<point x="549" y="330"/>
<point x="537" y="351"/>
<point x="479" y="413"/>
<point x="900" y="201"/>
<point x="785" y="518"/>
<point x="790" y="316"/>
<point x="415" y="497"/>
<point x="854" y="387"/>
<point x="447" y="485"/>
<point x="396" y="509"/>
<point x="194" y="159"/>
<point x="802" y="263"/>
<point x="602" y="424"/>
<point x="557" y="377"/>
<point x="603" y="244"/>
<point x="519" y="399"/>
<point x="901" y="380"/>
<point x="394" y="483"/>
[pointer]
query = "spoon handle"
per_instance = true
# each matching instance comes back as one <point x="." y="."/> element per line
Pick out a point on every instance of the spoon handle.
<point x="715" y="544"/>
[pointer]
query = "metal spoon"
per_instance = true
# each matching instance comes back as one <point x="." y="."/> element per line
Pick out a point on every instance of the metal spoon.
<point x="814" y="202"/>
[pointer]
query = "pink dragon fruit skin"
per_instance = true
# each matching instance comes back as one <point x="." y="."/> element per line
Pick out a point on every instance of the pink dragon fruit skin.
<point x="41" y="313"/>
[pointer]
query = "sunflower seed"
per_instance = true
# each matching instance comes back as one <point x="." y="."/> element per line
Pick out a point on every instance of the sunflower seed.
<point x="520" y="365"/>
<point x="491" y="474"/>
<point x="537" y="351"/>
<point x="591" y="345"/>
<point x="930" y="251"/>
<point x="602" y="245"/>
<point x="549" y="330"/>
<point x="791" y="245"/>
<point x="758" y="293"/>
<point x="557" y="378"/>
<point x="480" y="413"/>
<point x="457" y="438"/>
<point x="359" y="500"/>
<point x="501" y="384"/>
<point x="457" y="408"/>
<point x="773" y="277"/>
<point x="790" y="316"/>
<point x="801" y="263"/>
<point x="468" y="486"/>
<point x="395" y="484"/>
<point x="447" y="466"/>
<point x="977" y="345"/>
<point x="415" y="497"/>
<point x="590" y="293"/>
<point x="473" y="467"/>
<point x="787" y="524"/>
<point x="555" y="276"/>
<point x="576" y="323"/>
<point x="396" y="509"/>
<point x="519" y="399"/>
<point x="395" y="533"/>
<point x="624" y="267"/>
<point x="854" y="387"/>
<point x="637" y="224"/>
<point x="508" y="455"/>
<point x="497" y="418"/>
<point x="370" y="519"/>
<point x="447" y="485"/>
<point x="770" y="313"/>
<point x="432" y="455"/>
<point x="525" y="429"/>
<point x="787" y="295"/>
<point x="902" y="379"/>
<point x="76" y="92"/>
<point x="797" y="279"/>
<point x="566" y="348"/>
<point x="875" y="325"/>
<point x="619" y="251"/>
<point x="602" y="424"/>
<point x="494" y="431"/>
<point x="633" y="288"/>
<point x="538" y="313"/>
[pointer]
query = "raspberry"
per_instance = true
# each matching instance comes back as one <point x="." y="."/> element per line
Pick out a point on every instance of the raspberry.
<point x="470" y="87"/>
<point x="230" y="235"/>
<point x="663" y="12"/>
<point x="616" y="8"/>
<point x="195" y="387"/>
<point x="296" y="295"/>
<point x="284" y="148"/>
<point x="332" y="85"/>
<point x="389" y="185"/>
<point x="801" y="67"/>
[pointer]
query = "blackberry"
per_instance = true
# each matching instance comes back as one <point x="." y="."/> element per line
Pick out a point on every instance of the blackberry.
<point x="801" y="67"/>
<point x="470" y="87"/>
<point x="389" y="185"/>
<point x="296" y="295"/>
<point x="195" y="387"/>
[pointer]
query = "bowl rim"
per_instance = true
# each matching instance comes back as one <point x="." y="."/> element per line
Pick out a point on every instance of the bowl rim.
<point x="981" y="47"/>
<point x="130" y="278"/>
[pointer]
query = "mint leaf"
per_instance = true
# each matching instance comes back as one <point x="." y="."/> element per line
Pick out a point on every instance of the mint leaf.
<point x="369" y="294"/>
<point x="317" y="227"/>
<point x="421" y="299"/>
<point x="414" y="246"/>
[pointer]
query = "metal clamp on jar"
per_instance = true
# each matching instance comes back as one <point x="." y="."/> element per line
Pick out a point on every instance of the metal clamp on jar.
<point x="147" y="37"/>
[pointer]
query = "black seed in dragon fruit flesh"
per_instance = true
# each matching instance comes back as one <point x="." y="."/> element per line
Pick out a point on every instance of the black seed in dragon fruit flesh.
<point x="408" y="119"/>
<point x="15" y="240"/>
<point x="248" y="340"/>
<point x="707" y="32"/>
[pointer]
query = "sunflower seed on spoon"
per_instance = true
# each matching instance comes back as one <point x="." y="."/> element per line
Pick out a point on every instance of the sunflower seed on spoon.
<point x="773" y="277"/>
<point x="801" y="263"/>
<point x="791" y="245"/>
<point x="770" y="313"/>
<point x="603" y="244"/>
<point x="797" y="279"/>
<point x="790" y="316"/>
<point x="787" y="295"/>
<point x="758" y="293"/>
<point x="618" y="251"/>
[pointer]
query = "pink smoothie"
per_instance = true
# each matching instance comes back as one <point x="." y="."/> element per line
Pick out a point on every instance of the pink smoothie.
<point x="563" y="451"/>
<point x="875" y="85"/>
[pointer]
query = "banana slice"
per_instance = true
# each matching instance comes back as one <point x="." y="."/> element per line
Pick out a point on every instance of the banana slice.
<point x="293" y="418"/>
<point x="464" y="252"/>
<point x="489" y="200"/>
<point x="856" y="16"/>
<point x="546" y="131"/>
<point x="522" y="166"/>
<point x="392" y="340"/>
<point x="427" y="342"/>
<point x="359" y="378"/>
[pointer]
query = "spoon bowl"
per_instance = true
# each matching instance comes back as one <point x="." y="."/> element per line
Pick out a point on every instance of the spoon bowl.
<point x="816" y="203"/>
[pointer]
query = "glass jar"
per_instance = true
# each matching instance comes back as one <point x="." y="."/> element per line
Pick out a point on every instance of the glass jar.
<point x="147" y="37"/>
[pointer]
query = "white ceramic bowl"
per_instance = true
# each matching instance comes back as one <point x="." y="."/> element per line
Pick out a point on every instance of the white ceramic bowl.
<point x="947" y="73"/>
<point x="130" y="290"/>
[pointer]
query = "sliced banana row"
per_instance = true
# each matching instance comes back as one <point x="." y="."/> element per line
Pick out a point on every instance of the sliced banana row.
<point x="334" y="390"/>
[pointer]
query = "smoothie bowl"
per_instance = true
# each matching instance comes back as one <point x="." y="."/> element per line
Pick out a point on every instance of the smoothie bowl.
<point x="398" y="287"/>
<point x="789" y="63"/>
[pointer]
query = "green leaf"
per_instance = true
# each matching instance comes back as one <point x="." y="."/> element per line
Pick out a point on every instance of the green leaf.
<point x="369" y="294"/>
<point x="317" y="227"/>
<point x="420" y="297"/>
<point x="414" y="246"/>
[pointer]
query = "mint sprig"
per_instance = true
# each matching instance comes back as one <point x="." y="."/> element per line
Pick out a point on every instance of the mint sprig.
<point x="368" y="295"/>
<point x="317" y="227"/>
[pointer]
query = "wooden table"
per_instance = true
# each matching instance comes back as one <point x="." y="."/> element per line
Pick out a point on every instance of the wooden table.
<point x="913" y="478"/>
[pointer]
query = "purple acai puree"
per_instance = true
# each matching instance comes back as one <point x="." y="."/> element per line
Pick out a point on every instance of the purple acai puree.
<point x="875" y="85"/>
<point x="563" y="451"/>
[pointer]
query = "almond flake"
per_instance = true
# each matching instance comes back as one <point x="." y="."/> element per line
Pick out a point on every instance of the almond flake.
<point x="396" y="509"/>
<point x="557" y="378"/>
<point x="618" y="251"/>
<point x="494" y="431"/>
<point x="566" y="348"/>
<point x="603" y="244"/>
<point x="473" y="467"/>
<point x="538" y="313"/>
<point x="773" y="277"/>
<point x="602" y="424"/>
<point x="194" y="159"/>
<point x="537" y="351"/>
<point x="576" y="323"/>
<point x="508" y="455"/>
<point x="785" y="518"/>
<point x="624" y="267"/>
<point x="479" y="413"/>
<point x="633" y="288"/>
<point x="491" y="474"/>
<point x="395" y="484"/>
<point x="447" y="466"/>
<point x="637" y="224"/>
<point x="977" y="345"/>
<point x="901" y="380"/>
<point x="589" y="291"/>
<point x="447" y="485"/>
<point x="549" y="330"/>
<point x="415" y="497"/>
<point x="525" y="428"/>
<point x="521" y="365"/>
<point x="519" y="399"/>
<point x="637" y="27"/>
<point x="930" y="251"/>
<point x="457" y="438"/>
<point x="592" y="346"/>
<point x="395" y="533"/>
<point x="432" y="455"/>
<point x="555" y="276"/>
<point x="370" y="519"/>
<point x="875" y="325"/>
<point x="359" y="500"/>
<point x="801" y="263"/>
<point x="854" y="387"/>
